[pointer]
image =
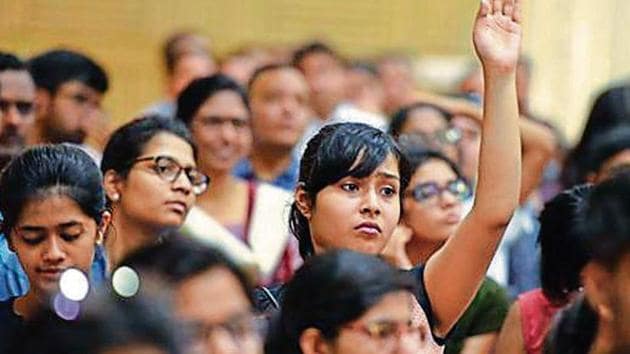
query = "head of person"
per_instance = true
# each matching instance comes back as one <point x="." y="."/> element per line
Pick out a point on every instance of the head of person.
<point x="324" y="71"/>
<point x="209" y="292"/>
<point x="606" y="235"/>
<point x="468" y="145"/>
<point x="216" y="110"/>
<point x="53" y="208"/>
<point x="344" y="302"/>
<point x="349" y="190"/>
<point x="241" y="64"/>
<point x="562" y="255"/>
<point x="278" y="95"/>
<point x="432" y="203"/>
<point x="364" y="87"/>
<point x="106" y="324"/>
<point x="17" y="101"/>
<point x="608" y="153"/>
<point x="430" y="124"/>
<point x="150" y="174"/>
<point x="186" y="57"/>
<point x="397" y="76"/>
<point x="70" y="89"/>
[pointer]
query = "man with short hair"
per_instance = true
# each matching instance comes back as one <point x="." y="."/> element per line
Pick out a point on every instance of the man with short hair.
<point x="278" y="97"/>
<point x="70" y="89"/>
<point x="17" y="104"/>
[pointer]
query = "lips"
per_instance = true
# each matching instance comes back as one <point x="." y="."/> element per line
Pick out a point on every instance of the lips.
<point x="369" y="229"/>
<point x="177" y="206"/>
<point x="52" y="273"/>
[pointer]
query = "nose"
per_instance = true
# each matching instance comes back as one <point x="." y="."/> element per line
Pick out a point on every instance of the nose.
<point x="222" y="342"/>
<point x="447" y="199"/>
<point x="228" y="131"/>
<point x="182" y="183"/>
<point x="370" y="203"/>
<point x="13" y="117"/>
<point x="53" y="252"/>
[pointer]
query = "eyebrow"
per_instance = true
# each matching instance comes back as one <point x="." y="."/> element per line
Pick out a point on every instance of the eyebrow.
<point x="388" y="175"/>
<point x="60" y="226"/>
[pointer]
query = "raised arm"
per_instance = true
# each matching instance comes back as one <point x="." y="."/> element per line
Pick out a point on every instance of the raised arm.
<point x="455" y="272"/>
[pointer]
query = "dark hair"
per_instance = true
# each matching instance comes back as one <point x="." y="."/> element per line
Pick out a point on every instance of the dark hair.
<point x="312" y="48"/>
<point x="573" y="331"/>
<point x="606" y="145"/>
<point x="331" y="155"/>
<point x="611" y="108"/>
<point x="128" y="141"/>
<point x="562" y="255"/>
<point x="417" y="155"/>
<point x="200" y="90"/>
<point x="56" y="67"/>
<point x="104" y="322"/>
<point x="605" y="223"/>
<point x="50" y="170"/>
<point x="331" y="290"/>
<point x="264" y="69"/>
<point x="400" y="118"/>
<point x="177" y="259"/>
<point x="180" y="45"/>
<point x="9" y="61"/>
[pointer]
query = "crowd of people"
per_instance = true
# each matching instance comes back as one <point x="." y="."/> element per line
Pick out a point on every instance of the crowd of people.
<point x="296" y="201"/>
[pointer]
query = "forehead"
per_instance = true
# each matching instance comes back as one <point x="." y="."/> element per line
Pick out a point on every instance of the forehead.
<point x="425" y="119"/>
<point x="224" y="102"/>
<point x="285" y="79"/>
<point x="46" y="211"/>
<point x="393" y="306"/>
<point x="75" y="87"/>
<point x="171" y="145"/>
<point x="433" y="170"/>
<point x="17" y="81"/>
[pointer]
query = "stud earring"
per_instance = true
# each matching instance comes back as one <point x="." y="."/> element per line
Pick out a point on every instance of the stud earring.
<point x="115" y="197"/>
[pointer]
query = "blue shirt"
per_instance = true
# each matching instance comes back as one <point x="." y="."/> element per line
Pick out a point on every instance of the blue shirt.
<point x="13" y="280"/>
<point x="286" y="180"/>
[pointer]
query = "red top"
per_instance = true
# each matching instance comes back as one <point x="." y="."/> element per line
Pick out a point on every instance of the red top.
<point x="536" y="315"/>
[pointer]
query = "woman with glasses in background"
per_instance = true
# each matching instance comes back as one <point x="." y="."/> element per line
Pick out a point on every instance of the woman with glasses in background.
<point x="151" y="180"/>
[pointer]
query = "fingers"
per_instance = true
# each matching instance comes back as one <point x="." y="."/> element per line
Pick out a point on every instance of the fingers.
<point x="516" y="12"/>
<point x="497" y="7"/>
<point x="508" y="8"/>
<point x="484" y="9"/>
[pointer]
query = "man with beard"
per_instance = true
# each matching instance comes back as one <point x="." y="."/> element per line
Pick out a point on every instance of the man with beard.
<point x="70" y="88"/>
<point x="17" y="96"/>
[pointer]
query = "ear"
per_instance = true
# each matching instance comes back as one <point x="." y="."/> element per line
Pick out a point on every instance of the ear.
<point x="596" y="279"/>
<point x="113" y="183"/>
<point x="303" y="201"/>
<point x="312" y="342"/>
<point x="43" y="100"/>
<point x="103" y="227"/>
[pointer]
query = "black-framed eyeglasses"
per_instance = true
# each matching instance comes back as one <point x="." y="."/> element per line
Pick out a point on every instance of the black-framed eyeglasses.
<point x="169" y="170"/>
<point x="240" y="328"/>
<point x="23" y="107"/>
<point x="423" y="192"/>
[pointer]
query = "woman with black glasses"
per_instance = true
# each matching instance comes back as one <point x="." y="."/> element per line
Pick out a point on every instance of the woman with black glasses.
<point x="151" y="180"/>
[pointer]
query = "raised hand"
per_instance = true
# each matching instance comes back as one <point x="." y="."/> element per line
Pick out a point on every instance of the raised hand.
<point x="497" y="34"/>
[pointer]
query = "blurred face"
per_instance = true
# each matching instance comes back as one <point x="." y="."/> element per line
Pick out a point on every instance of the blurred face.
<point x="621" y="301"/>
<point x="436" y="216"/>
<point x="146" y="197"/>
<point x="363" y="88"/>
<point x="51" y="235"/>
<point x="434" y="130"/>
<point x="67" y="113"/>
<point x="187" y="69"/>
<point x="214" y="302"/>
<point x="385" y="328"/>
<point x="221" y="131"/>
<point x="469" y="145"/>
<point x="359" y="214"/>
<point x="134" y="349"/>
<point x="327" y="80"/>
<point x="397" y="79"/>
<point x="17" y="100"/>
<point x="279" y="108"/>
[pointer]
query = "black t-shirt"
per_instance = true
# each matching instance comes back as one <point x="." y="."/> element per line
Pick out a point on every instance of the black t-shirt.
<point x="10" y="324"/>
<point x="268" y="299"/>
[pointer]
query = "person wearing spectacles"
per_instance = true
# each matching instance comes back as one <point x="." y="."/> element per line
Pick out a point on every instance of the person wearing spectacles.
<point x="210" y="294"/>
<point x="152" y="181"/>
<point x="17" y="107"/>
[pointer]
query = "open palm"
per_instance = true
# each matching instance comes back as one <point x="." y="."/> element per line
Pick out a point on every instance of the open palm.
<point x="497" y="33"/>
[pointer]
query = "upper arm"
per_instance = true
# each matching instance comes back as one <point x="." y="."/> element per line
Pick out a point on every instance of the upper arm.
<point x="480" y="344"/>
<point x="511" y="336"/>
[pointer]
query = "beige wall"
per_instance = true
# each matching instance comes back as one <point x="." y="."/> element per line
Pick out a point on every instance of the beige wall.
<point x="577" y="45"/>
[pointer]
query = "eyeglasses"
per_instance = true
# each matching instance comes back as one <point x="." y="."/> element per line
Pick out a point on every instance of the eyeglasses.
<point x="387" y="332"/>
<point x="240" y="328"/>
<point x="425" y="191"/>
<point x="23" y="107"/>
<point x="169" y="170"/>
<point x="449" y="136"/>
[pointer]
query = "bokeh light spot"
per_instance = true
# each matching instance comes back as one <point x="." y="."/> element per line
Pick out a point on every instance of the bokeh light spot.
<point x="125" y="282"/>
<point x="74" y="285"/>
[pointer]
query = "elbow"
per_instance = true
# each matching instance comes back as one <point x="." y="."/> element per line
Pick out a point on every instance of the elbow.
<point x="499" y="216"/>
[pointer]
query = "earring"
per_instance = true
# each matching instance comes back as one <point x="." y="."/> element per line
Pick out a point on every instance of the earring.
<point x="115" y="197"/>
<point x="99" y="237"/>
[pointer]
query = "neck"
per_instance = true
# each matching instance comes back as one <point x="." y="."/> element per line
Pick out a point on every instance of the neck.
<point x="128" y="236"/>
<point x="28" y="305"/>
<point x="604" y="339"/>
<point x="419" y="250"/>
<point x="269" y="162"/>
<point x="222" y="190"/>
